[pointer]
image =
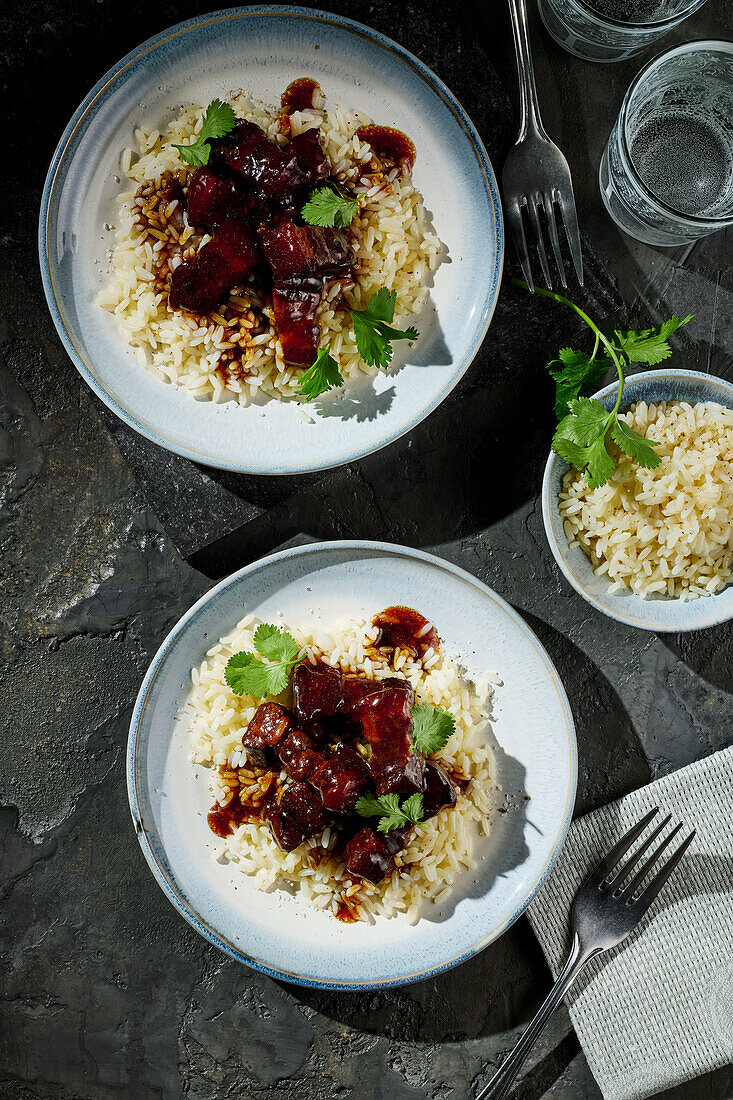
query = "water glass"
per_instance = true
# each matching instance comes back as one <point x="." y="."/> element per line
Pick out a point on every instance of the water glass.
<point x="666" y="175"/>
<point x="611" y="30"/>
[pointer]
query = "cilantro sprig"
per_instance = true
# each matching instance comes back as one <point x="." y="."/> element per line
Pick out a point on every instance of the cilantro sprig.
<point x="329" y="208"/>
<point x="431" y="728"/>
<point x="219" y="119"/>
<point x="391" y="814"/>
<point x="246" y="674"/>
<point x="585" y="425"/>
<point x="323" y="375"/>
<point x="372" y="329"/>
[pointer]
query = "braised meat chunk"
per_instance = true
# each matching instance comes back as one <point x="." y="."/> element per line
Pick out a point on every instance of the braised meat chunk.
<point x="311" y="158"/>
<point x="439" y="789"/>
<point x="340" y="780"/>
<point x="386" y="723"/>
<point x="295" y="303"/>
<point x="299" y="816"/>
<point x="298" y="755"/>
<point x="317" y="692"/>
<point x="368" y="854"/>
<point x="200" y="283"/>
<point x="293" y="250"/>
<point x="249" y="154"/>
<point x="269" y="725"/>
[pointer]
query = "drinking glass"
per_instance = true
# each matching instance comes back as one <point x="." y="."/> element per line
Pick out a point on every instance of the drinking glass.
<point x="666" y="175"/>
<point x="611" y="30"/>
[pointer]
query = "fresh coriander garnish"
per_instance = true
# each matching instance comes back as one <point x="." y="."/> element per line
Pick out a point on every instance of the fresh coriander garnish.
<point x="585" y="425"/>
<point x="372" y="329"/>
<point x="391" y="815"/>
<point x="431" y="728"/>
<point x="248" y="675"/>
<point x="323" y="375"/>
<point x="329" y="208"/>
<point x="219" y="119"/>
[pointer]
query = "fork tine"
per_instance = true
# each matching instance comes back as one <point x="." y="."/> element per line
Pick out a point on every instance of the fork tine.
<point x="649" y="894"/>
<point x="628" y="891"/>
<point x="601" y="871"/>
<point x="549" y="205"/>
<point x="572" y="232"/>
<point x="535" y="219"/>
<point x="514" y="218"/>
<point x="626" y="870"/>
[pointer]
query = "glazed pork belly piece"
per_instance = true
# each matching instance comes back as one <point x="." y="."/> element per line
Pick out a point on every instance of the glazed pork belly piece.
<point x="310" y="156"/>
<point x="298" y="817"/>
<point x="317" y="692"/>
<point x="295" y="303"/>
<point x="341" y="779"/>
<point x="249" y="154"/>
<point x="385" y="718"/>
<point x="295" y="250"/>
<point x="368" y="854"/>
<point x="199" y="284"/>
<point x="268" y="727"/>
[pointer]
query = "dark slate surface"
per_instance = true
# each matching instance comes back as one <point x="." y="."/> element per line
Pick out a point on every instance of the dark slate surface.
<point x="106" y="992"/>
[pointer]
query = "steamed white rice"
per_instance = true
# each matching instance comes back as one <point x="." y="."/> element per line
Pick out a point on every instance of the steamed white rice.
<point x="438" y="851"/>
<point x="394" y="246"/>
<point x="666" y="531"/>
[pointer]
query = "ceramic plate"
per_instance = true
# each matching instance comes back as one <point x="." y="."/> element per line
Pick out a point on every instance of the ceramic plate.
<point x="534" y="745"/>
<point x="658" y="613"/>
<point x="262" y="49"/>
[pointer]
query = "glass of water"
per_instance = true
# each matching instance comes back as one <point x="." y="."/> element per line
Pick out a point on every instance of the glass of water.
<point x="666" y="175"/>
<point x="611" y="30"/>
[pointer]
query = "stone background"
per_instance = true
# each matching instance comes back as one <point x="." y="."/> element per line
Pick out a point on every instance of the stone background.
<point x="106" y="992"/>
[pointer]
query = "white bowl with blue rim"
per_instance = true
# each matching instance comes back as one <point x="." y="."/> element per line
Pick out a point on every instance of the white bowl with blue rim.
<point x="263" y="49"/>
<point x="660" y="613"/>
<point x="532" y="736"/>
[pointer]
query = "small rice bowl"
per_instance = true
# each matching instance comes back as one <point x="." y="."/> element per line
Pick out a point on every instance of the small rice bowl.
<point x="667" y="531"/>
<point x="439" y="850"/>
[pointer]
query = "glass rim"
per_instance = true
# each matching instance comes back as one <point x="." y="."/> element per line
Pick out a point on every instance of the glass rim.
<point x="668" y="21"/>
<point x="712" y="45"/>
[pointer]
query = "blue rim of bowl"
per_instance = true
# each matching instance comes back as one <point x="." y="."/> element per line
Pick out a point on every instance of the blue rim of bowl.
<point x="548" y="506"/>
<point x="428" y="76"/>
<point x="133" y="763"/>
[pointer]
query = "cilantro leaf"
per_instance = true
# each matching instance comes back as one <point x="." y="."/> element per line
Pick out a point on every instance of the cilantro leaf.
<point x="329" y="208"/>
<point x="634" y="445"/>
<point x="650" y="345"/>
<point x="323" y="375"/>
<point x="219" y="119"/>
<point x="246" y="674"/>
<point x="277" y="645"/>
<point x="431" y="728"/>
<point x="589" y="420"/>
<point x="381" y="306"/>
<point x="391" y="815"/>
<point x="571" y="372"/>
<point x="584" y="425"/>
<point x="580" y="438"/>
<point x="373" y="332"/>
<point x="600" y="463"/>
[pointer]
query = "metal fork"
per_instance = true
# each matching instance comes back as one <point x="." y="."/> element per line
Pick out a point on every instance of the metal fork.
<point x="604" y="913"/>
<point x="536" y="174"/>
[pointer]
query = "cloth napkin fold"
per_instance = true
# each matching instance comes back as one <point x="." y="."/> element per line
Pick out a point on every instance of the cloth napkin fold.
<point x="658" y="1009"/>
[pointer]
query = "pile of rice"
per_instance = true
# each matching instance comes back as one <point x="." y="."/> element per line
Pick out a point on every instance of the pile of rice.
<point x="438" y="850"/>
<point x="236" y="354"/>
<point x="666" y="531"/>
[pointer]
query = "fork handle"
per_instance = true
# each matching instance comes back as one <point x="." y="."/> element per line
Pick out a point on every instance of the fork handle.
<point x="501" y="1082"/>
<point x="528" y="103"/>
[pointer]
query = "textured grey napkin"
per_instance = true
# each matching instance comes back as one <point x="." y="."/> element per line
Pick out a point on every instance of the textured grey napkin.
<point x="657" y="1010"/>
